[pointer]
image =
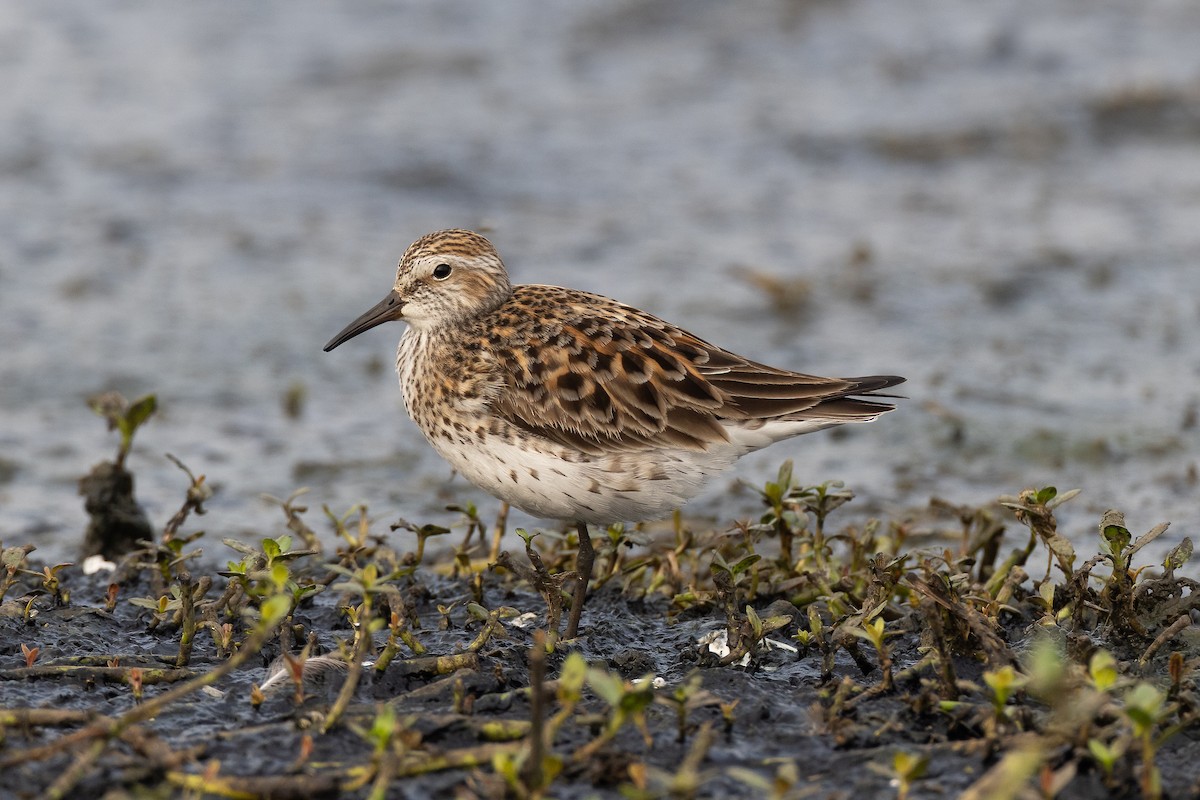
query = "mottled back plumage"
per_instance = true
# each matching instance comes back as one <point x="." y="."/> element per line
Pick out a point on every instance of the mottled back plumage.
<point x="600" y="376"/>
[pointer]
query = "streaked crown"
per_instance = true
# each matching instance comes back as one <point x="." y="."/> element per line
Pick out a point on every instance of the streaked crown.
<point x="448" y="276"/>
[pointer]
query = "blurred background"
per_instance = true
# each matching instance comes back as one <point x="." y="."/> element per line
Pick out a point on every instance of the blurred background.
<point x="998" y="200"/>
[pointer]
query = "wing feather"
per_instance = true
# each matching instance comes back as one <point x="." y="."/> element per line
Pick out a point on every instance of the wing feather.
<point x="601" y="377"/>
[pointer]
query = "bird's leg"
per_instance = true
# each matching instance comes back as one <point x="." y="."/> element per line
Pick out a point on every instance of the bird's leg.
<point x="583" y="567"/>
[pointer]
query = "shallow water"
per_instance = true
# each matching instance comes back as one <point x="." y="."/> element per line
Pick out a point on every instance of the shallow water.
<point x="998" y="201"/>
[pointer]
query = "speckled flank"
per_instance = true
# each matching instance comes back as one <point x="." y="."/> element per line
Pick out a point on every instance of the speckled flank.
<point x="571" y="405"/>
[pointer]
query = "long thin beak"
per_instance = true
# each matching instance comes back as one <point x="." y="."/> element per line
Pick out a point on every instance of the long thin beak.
<point x="386" y="310"/>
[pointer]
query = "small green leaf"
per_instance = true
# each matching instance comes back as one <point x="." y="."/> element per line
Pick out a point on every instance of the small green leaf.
<point x="862" y="633"/>
<point x="1104" y="755"/>
<point x="275" y="609"/>
<point x="1003" y="682"/>
<point x="784" y="478"/>
<point x="760" y="783"/>
<point x="1045" y="495"/>
<point x="608" y="686"/>
<point x="1045" y="668"/>
<point x="745" y="563"/>
<point x="383" y="726"/>
<point x="139" y="412"/>
<point x="280" y="575"/>
<point x="755" y="621"/>
<point x="574" y="673"/>
<point x="1142" y="706"/>
<point x="301" y="592"/>
<point x="1179" y="554"/>
<point x="507" y="767"/>
<point x="815" y="623"/>
<point x="1103" y="670"/>
<point x="909" y="766"/>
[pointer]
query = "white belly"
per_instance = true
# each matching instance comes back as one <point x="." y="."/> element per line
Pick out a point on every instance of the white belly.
<point x="624" y="487"/>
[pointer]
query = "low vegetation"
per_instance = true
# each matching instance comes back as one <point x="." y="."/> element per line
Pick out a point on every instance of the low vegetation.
<point x="772" y="659"/>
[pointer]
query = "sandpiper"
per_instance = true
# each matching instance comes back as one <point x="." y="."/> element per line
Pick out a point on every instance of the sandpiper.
<point x="572" y="406"/>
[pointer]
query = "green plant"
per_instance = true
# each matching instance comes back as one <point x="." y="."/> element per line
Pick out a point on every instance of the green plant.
<point x="1003" y="682"/>
<point x="267" y="569"/>
<point x="874" y="631"/>
<point x="51" y="583"/>
<point x="1145" y="707"/>
<point x="627" y="702"/>
<point x="908" y="767"/>
<point x="163" y="607"/>
<point x="124" y="417"/>
<point x="781" y="517"/>
<point x="424" y="533"/>
<point x="780" y="786"/>
<point x="1106" y="755"/>
<point x="686" y="697"/>
<point x="1034" y="508"/>
<point x="731" y="583"/>
<point x="1102" y="670"/>
<point x="295" y="522"/>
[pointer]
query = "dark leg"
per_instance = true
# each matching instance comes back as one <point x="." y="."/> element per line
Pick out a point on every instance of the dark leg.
<point x="583" y="566"/>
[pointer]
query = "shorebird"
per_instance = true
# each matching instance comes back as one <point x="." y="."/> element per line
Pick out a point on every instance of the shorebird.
<point x="573" y="406"/>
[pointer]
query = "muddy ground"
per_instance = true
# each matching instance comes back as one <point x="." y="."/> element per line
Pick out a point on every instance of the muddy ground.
<point x="996" y="200"/>
<point x="979" y="681"/>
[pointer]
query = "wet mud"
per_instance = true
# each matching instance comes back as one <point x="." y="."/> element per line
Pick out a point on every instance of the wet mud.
<point x="710" y="665"/>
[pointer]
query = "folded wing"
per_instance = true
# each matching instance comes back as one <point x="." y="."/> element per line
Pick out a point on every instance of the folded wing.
<point x="618" y="379"/>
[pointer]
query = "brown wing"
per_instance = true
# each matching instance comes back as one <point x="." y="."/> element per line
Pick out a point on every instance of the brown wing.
<point x="600" y="376"/>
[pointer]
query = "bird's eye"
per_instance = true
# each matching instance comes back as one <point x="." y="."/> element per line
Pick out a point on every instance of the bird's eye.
<point x="441" y="272"/>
